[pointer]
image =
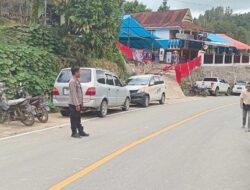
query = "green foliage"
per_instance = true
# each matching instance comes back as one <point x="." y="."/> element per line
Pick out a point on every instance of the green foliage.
<point x="46" y="38"/>
<point x="94" y="26"/>
<point x="130" y="7"/>
<point x="36" y="36"/>
<point x="220" y="20"/>
<point x="96" y="23"/>
<point x="164" y="6"/>
<point x="34" y="67"/>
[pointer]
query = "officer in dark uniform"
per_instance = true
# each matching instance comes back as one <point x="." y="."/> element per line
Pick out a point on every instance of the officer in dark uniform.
<point x="76" y="103"/>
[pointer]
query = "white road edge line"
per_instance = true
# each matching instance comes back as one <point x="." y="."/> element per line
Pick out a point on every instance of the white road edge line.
<point x="64" y="125"/>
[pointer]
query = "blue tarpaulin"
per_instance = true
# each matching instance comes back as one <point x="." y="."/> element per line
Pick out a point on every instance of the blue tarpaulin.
<point x="134" y="35"/>
<point x="216" y="38"/>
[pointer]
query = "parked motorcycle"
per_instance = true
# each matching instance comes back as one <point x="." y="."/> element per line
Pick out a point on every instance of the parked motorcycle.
<point x="39" y="104"/>
<point x="15" y="110"/>
<point x="196" y="91"/>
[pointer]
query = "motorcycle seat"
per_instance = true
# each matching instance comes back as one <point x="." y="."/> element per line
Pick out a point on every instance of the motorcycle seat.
<point x="15" y="102"/>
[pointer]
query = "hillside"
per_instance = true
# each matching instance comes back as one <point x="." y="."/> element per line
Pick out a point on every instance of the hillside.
<point x="220" y="20"/>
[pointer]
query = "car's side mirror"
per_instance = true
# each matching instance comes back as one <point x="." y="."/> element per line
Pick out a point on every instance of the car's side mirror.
<point x="151" y="83"/>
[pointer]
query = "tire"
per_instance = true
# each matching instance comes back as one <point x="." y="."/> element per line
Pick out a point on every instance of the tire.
<point x="204" y="93"/>
<point x="65" y="112"/>
<point x="29" y="119"/>
<point x="103" y="109"/>
<point x="126" y="105"/>
<point x="146" y="102"/>
<point x="192" y="93"/>
<point x="217" y="92"/>
<point x="3" y="117"/>
<point x="43" y="116"/>
<point x="163" y="99"/>
<point x="228" y="92"/>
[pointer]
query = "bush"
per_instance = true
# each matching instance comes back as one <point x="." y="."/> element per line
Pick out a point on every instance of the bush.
<point x="34" y="67"/>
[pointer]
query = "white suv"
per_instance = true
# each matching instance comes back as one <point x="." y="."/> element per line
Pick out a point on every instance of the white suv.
<point x="102" y="90"/>
<point x="146" y="88"/>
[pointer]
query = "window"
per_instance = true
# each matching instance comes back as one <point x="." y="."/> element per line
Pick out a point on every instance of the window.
<point x="210" y="79"/>
<point x="117" y="82"/>
<point x="85" y="76"/>
<point x="158" y="80"/>
<point x="110" y="80"/>
<point x="65" y="76"/>
<point x="100" y="76"/>
<point x="152" y="82"/>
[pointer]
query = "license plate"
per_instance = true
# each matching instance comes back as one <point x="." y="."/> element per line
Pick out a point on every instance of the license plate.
<point x="66" y="91"/>
<point x="239" y="88"/>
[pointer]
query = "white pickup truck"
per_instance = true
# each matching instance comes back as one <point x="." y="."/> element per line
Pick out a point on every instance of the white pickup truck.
<point x="215" y="86"/>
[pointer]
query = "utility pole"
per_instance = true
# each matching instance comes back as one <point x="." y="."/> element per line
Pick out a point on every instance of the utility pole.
<point x="129" y="31"/>
<point x="45" y="12"/>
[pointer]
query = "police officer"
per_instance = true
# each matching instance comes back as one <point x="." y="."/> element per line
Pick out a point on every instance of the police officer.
<point x="76" y="103"/>
<point x="245" y="105"/>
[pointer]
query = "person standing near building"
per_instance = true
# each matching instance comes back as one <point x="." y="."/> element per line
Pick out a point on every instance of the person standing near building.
<point x="245" y="105"/>
<point x="76" y="103"/>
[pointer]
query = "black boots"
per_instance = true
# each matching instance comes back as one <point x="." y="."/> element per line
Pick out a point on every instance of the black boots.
<point x="75" y="135"/>
<point x="82" y="133"/>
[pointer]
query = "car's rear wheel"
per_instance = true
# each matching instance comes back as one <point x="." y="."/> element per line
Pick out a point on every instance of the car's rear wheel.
<point x="126" y="105"/>
<point x="103" y="109"/>
<point x="163" y="99"/>
<point x="65" y="112"/>
<point x="146" y="101"/>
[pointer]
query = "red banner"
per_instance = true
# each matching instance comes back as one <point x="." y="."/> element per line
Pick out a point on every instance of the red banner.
<point x="185" y="69"/>
<point x="125" y="50"/>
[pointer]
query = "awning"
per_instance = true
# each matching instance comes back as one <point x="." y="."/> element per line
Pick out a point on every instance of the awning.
<point x="133" y="35"/>
<point x="218" y="39"/>
<point x="235" y="43"/>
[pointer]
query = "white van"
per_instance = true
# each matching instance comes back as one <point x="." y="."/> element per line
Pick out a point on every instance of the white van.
<point x="146" y="88"/>
<point x="102" y="90"/>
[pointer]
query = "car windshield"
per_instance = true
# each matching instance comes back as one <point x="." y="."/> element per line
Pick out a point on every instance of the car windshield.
<point x="211" y="79"/>
<point x="138" y="81"/>
<point x="65" y="76"/>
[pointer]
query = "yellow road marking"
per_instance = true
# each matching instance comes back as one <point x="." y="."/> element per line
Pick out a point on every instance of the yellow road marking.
<point x="108" y="158"/>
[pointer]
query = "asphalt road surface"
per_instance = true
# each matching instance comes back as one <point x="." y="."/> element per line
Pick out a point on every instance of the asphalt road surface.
<point x="195" y="145"/>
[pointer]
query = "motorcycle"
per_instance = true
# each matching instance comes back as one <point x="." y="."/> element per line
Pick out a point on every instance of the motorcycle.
<point x="196" y="91"/>
<point x="39" y="104"/>
<point x="15" y="110"/>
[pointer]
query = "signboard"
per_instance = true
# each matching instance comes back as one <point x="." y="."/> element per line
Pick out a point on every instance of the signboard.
<point x="169" y="57"/>
<point x="161" y="56"/>
<point x="184" y="36"/>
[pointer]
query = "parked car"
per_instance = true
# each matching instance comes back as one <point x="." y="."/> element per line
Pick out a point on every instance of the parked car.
<point x="146" y="88"/>
<point x="239" y="87"/>
<point x="102" y="90"/>
<point x="215" y="86"/>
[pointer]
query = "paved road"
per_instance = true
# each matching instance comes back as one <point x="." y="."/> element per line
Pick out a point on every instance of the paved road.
<point x="207" y="151"/>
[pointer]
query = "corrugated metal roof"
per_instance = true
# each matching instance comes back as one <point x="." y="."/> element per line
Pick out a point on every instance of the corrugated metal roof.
<point x="171" y="18"/>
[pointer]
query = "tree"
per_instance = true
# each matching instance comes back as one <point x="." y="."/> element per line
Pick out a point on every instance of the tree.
<point x="220" y="20"/>
<point x="164" y="6"/>
<point x="130" y="7"/>
<point x="95" y="24"/>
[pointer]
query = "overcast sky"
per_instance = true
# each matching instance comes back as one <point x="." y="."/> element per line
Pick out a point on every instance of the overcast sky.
<point x="199" y="6"/>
